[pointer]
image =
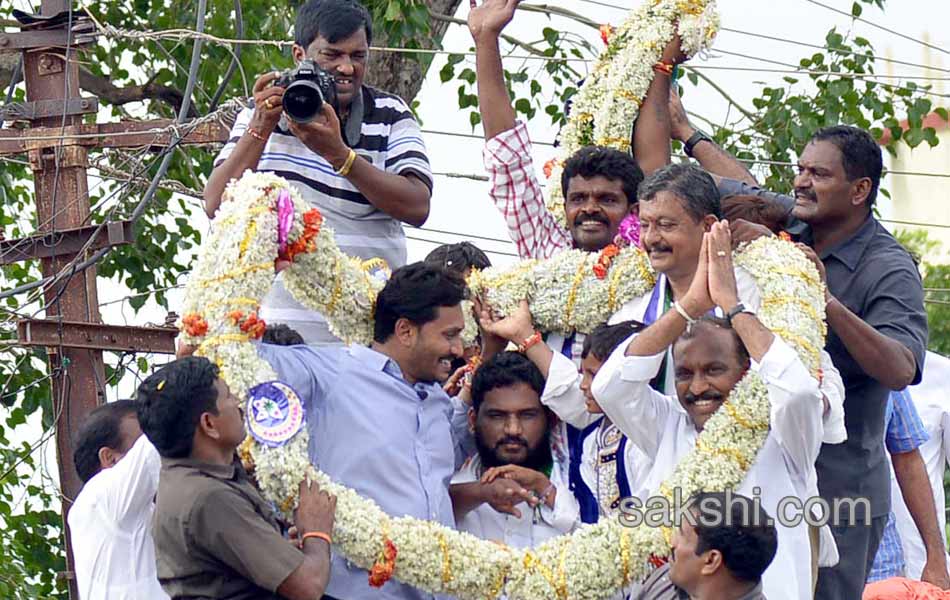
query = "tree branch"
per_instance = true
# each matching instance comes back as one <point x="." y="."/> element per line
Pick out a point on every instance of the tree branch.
<point x="562" y="12"/>
<point x="104" y="89"/>
<point x="510" y="39"/>
<point x="117" y="96"/>
<point x="751" y="116"/>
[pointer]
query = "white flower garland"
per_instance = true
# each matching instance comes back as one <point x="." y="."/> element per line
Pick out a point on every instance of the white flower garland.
<point x="234" y="271"/>
<point x="606" y="105"/>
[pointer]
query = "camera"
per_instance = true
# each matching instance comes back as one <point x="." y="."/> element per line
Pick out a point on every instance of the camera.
<point x="306" y="88"/>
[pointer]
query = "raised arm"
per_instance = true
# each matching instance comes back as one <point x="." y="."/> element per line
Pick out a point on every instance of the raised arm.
<point x="651" y="132"/>
<point x="515" y="188"/>
<point x="247" y="140"/>
<point x="710" y="155"/>
<point x="486" y="23"/>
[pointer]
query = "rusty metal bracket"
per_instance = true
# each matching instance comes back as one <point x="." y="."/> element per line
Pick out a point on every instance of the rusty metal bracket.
<point x="65" y="242"/>
<point x="53" y="333"/>
<point x="126" y="134"/>
<point x="45" y="38"/>
<point x="29" y="111"/>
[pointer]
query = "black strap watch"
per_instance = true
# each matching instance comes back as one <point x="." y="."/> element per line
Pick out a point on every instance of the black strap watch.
<point x="699" y="136"/>
<point x="738" y="310"/>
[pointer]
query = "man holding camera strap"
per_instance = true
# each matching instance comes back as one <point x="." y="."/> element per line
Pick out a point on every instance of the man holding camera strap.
<point x="363" y="164"/>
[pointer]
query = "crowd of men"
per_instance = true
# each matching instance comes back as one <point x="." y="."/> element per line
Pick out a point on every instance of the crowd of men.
<point x="550" y="432"/>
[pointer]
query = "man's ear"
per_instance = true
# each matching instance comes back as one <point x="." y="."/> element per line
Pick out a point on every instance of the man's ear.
<point x="708" y="222"/>
<point x="712" y="562"/>
<point x="860" y="191"/>
<point x="107" y="457"/>
<point x="207" y="425"/>
<point x="633" y="208"/>
<point x="405" y="332"/>
<point x="472" y="416"/>
<point x="299" y="53"/>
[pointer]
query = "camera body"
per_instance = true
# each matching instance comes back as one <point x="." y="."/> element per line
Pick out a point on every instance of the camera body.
<point x="306" y="88"/>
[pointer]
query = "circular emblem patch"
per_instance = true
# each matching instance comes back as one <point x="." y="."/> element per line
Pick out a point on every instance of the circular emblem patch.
<point x="275" y="413"/>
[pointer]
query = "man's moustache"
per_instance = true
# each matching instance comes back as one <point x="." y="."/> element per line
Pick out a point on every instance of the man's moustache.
<point x="692" y="399"/>
<point x="587" y="218"/>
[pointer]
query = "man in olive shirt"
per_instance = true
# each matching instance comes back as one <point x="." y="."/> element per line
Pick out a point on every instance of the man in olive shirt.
<point x="718" y="556"/>
<point x="215" y="536"/>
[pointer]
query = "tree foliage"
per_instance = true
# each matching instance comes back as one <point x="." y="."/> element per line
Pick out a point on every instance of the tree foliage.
<point x="145" y="79"/>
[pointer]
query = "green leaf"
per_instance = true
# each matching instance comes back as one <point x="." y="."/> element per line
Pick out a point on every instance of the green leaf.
<point x="855" y="10"/>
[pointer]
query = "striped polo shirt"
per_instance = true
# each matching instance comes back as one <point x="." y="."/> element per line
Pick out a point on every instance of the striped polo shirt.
<point x="382" y="130"/>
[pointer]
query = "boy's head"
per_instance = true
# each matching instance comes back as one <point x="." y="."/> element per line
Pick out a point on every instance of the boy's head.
<point x="597" y="348"/>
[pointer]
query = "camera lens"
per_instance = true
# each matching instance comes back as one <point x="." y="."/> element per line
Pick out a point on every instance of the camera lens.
<point x="302" y="100"/>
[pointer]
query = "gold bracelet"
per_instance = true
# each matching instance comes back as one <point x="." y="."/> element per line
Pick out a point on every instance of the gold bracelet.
<point x="350" y="159"/>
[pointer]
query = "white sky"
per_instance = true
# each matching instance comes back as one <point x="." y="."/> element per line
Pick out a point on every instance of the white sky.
<point x="462" y="205"/>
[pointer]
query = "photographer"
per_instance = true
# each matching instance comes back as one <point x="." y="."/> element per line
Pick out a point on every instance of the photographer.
<point x="362" y="163"/>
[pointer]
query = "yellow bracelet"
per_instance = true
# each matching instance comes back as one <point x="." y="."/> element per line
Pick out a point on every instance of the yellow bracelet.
<point x="348" y="164"/>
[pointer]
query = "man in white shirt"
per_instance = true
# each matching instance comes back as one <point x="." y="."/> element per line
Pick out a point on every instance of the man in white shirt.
<point x="512" y="433"/>
<point x="932" y="401"/>
<point x="710" y="358"/>
<point x="110" y="521"/>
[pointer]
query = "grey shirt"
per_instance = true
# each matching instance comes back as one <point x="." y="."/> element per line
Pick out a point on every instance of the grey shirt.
<point x="876" y="278"/>
<point x="659" y="587"/>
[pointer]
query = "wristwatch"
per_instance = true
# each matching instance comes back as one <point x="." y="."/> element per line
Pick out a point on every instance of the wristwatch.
<point x="738" y="310"/>
<point x="699" y="136"/>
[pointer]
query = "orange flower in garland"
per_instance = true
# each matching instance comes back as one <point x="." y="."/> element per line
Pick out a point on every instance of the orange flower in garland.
<point x="603" y="261"/>
<point x="195" y="325"/>
<point x="382" y="570"/>
<point x="605" y="32"/>
<point x="549" y="167"/>
<point x="658" y="561"/>
<point x="252" y="325"/>
<point x="312" y="222"/>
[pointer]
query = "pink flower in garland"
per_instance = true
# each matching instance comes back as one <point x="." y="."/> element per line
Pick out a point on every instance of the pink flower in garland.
<point x="629" y="232"/>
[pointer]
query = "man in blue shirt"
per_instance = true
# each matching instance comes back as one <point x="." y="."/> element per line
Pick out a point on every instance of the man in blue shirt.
<point x="905" y="435"/>
<point x="378" y="418"/>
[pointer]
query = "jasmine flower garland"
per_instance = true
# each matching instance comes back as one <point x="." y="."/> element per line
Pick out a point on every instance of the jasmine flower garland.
<point x="606" y="105"/>
<point x="235" y="270"/>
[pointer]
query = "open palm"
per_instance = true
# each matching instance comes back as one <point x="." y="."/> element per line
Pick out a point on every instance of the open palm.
<point x="491" y="16"/>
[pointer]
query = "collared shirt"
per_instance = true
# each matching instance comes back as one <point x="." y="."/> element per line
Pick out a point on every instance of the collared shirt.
<point x="905" y="433"/>
<point x="382" y="130"/>
<point x="372" y="431"/>
<point x="215" y="536"/>
<point x="111" y="525"/>
<point x="659" y="587"/>
<point x="875" y="277"/>
<point x="534" y="527"/>
<point x="932" y="402"/>
<point x="784" y="467"/>
<point x="517" y="193"/>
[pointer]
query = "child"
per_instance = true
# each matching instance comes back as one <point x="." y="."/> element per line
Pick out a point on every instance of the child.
<point x="604" y="469"/>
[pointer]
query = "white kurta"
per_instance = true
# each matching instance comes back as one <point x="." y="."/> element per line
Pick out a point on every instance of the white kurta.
<point x="111" y="527"/>
<point x="785" y="466"/>
<point x="832" y="386"/>
<point x="932" y="400"/>
<point x="534" y="527"/>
